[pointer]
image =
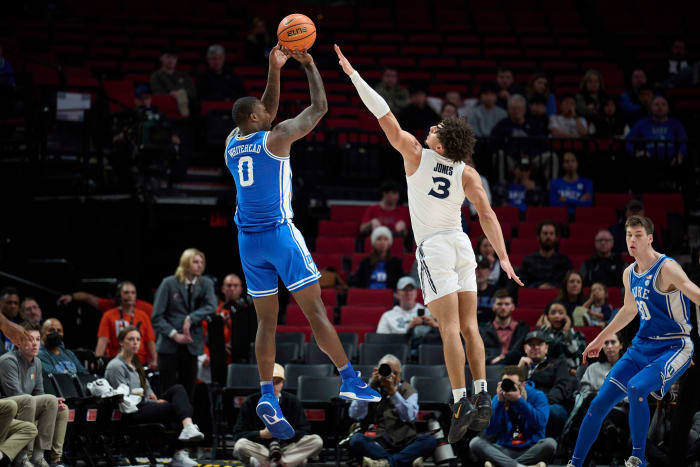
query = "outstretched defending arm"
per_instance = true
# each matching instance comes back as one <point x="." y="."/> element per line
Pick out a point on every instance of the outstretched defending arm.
<point x="402" y="141"/>
<point x="271" y="96"/>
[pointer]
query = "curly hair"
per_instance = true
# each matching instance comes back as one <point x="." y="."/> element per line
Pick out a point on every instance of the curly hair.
<point x="457" y="139"/>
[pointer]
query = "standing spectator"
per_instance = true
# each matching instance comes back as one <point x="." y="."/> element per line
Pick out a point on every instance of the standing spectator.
<point x="591" y="95"/>
<point x="395" y="95"/>
<point x="101" y="304"/>
<point x="546" y="267"/>
<point x="258" y="43"/>
<point x="379" y="270"/>
<point x="124" y="315"/>
<point x="15" y="435"/>
<point x="394" y="441"/>
<point x="29" y="310"/>
<point x="518" y="421"/>
<point x="54" y="356"/>
<point x="484" y="290"/>
<point x="595" y="311"/>
<point x="182" y="301"/>
<point x="21" y="376"/>
<point x="408" y="316"/>
<point x="563" y="340"/>
<point x="217" y="83"/>
<point x="503" y="337"/>
<point x="484" y="248"/>
<point x="629" y="100"/>
<point x="487" y="114"/>
<point x="571" y="190"/>
<point x="174" y="407"/>
<point x="387" y="212"/>
<point x="255" y="445"/>
<point x="417" y="115"/>
<point x="567" y="124"/>
<point x="539" y="86"/>
<point x="506" y="86"/>
<point x="177" y="83"/>
<point x="611" y="124"/>
<point x="676" y="69"/>
<point x="633" y="208"/>
<point x="605" y="265"/>
<point x="551" y="376"/>
<point x="668" y="135"/>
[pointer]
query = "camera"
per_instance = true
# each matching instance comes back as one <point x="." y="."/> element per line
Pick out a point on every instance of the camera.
<point x="384" y="370"/>
<point x="275" y="451"/>
<point x="508" y="385"/>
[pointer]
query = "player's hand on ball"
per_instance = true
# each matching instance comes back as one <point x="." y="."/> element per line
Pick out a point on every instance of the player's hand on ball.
<point x="301" y="56"/>
<point x="343" y="62"/>
<point x="278" y="57"/>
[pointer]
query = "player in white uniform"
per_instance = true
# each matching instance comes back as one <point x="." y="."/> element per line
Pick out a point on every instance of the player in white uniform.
<point x="438" y="181"/>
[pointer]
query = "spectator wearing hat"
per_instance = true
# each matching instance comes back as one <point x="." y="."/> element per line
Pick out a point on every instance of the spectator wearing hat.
<point x="484" y="290"/>
<point x="633" y="208"/>
<point x="254" y="443"/>
<point x="503" y="337"/>
<point x="546" y="267"/>
<point x="168" y="80"/>
<point x="217" y="83"/>
<point x="379" y="270"/>
<point x="408" y="316"/>
<point x="551" y="376"/>
<point x="487" y="114"/>
<point x="605" y="266"/>
<point x="417" y="115"/>
<point x="387" y="212"/>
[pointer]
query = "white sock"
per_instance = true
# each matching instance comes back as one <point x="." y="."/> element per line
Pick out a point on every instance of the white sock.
<point x="457" y="394"/>
<point x="37" y="455"/>
<point x="479" y="385"/>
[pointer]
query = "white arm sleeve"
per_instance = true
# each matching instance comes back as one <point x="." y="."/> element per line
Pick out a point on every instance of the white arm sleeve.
<point x="373" y="101"/>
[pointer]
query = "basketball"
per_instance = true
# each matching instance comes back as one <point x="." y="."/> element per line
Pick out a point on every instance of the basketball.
<point x="296" y="31"/>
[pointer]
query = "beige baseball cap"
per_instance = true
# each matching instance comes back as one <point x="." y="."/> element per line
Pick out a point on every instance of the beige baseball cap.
<point x="278" y="372"/>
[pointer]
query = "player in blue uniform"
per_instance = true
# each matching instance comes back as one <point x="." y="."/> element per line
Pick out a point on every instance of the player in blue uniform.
<point x="660" y="292"/>
<point x="257" y="156"/>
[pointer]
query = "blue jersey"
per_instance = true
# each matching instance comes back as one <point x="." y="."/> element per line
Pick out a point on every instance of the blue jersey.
<point x="263" y="183"/>
<point x="663" y="315"/>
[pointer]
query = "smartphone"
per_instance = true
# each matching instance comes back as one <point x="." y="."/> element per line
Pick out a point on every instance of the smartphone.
<point x="421" y="311"/>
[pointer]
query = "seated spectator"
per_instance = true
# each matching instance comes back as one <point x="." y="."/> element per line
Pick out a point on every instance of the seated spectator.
<point x="503" y="337"/>
<point x="633" y="208"/>
<point x="484" y="248"/>
<point x="9" y="304"/>
<point x="101" y="304"/>
<point x="21" y="380"/>
<point x="218" y="83"/>
<point x="484" y="290"/>
<point x="7" y="77"/>
<point x="563" y="341"/>
<point x="173" y="407"/>
<point x="675" y="70"/>
<point x="629" y="100"/>
<point x="388" y="436"/>
<point x="462" y="105"/>
<point x="538" y="86"/>
<point x="668" y="135"/>
<point x="379" y="270"/>
<point x="258" y="43"/>
<point x="14" y="333"/>
<point x="125" y="315"/>
<point x="571" y="291"/>
<point x="168" y="80"/>
<point x="387" y="212"/>
<point x="54" y="356"/>
<point x="595" y="311"/>
<point x="646" y="97"/>
<point x="605" y="265"/>
<point x="417" y="115"/>
<point x="571" y="190"/>
<point x="506" y="86"/>
<point x="590" y="98"/>
<point x="551" y="376"/>
<point x="546" y="267"/>
<point x="518" y="420"/>
<point x="522" y="191"/>
<point x="567" y="124"/>
<point x="254" y="444"/>
<point x="29" y="310"/>
<point x="611" y="124"/>
<point x="8" y="89"/>
<point x="15" y="435"/>
<point x="395" y="95"/>
<point x="487" y="114"/>
<point x="408" y="316"/>
<point x="509" y="131"/>
<point x="537" y="113"/>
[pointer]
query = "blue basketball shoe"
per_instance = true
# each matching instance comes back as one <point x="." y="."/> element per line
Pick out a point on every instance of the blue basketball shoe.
<point x="270" y="413"/>
<point x="356" y="389"/>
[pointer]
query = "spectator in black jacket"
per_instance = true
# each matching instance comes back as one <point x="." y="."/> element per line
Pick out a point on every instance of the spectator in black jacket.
<point x="254" y="443"/>
<point x="379" y="270"/>
<point x="503" y="337"/>
<point x="217" y="83"/>
<point x="546" y="267"/>
<point x="605" y="266"/>
<point x="550" y="376"/>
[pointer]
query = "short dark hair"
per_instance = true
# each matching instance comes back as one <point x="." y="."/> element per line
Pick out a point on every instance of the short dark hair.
<point x="488" y="86"/>
<point x="389" y="185"/>
<point x="446" y="104"/>
<point x="8" y="291"/>
<point x="502" y="293"/>
<point x="514" y="370"/>
<point x="242" y="109"/>
<point x="502" y="68"/>
<point x="640" y="221"/>
<point x="547" y="222"/>
<point x="457" y="139"/>
<point x="29" y="326"/>
<point x="558" y="301"/>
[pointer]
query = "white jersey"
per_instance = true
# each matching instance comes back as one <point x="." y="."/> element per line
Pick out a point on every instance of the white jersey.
<point x="435" y="196"/>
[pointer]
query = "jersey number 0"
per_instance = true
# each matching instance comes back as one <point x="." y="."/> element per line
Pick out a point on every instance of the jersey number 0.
<point x="245" y="175"/>
<point x="440" y="188"/>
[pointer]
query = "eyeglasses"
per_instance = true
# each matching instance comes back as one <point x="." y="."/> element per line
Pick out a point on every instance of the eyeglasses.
<point x="603" y="239"/>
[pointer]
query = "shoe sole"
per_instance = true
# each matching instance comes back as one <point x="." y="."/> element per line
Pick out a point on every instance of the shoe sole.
<point x="482" y="419"/>
<point x="460" y="432"/>
<point x="351" y="396"/>
<point x="193" y="439"/>
<point x="286" y="431"/>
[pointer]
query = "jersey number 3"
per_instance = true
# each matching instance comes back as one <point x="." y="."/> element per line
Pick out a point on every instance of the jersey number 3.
<point x="245" y="175"/>
<point x="643" y="310"/>
<point x="441" y="188"/>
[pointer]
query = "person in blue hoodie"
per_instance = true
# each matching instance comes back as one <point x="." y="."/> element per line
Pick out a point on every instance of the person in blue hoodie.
<point x="518" y="421"/>
<point x="669" y="135"/>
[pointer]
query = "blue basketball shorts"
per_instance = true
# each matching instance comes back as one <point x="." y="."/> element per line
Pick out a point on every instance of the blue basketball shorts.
<point x="280" y="251"/>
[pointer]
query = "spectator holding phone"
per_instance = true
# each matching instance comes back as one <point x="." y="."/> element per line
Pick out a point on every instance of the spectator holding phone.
<point x="408" y="316"/>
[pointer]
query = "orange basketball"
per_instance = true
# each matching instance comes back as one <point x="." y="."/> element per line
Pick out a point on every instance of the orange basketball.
<point x="296" y="31"/>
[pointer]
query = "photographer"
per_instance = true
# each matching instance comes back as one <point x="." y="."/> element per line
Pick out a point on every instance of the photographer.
<point x="254" y="444"/>
<point x="518" y="422"/>
<point x="389" y="435"/>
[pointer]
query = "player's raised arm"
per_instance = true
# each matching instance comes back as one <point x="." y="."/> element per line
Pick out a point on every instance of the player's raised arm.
<point x="271" y="96"/>
<point x="402" y="141"/>
<point x="474" y="189"/>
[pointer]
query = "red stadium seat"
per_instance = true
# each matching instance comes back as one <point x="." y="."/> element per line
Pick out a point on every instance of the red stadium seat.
<point x="296" y="317"/>
<point x="613" y="200"/>
<point x="342" y="245"/>
<point x="338" y="228"/>
<point x="576" y="247"/>
<point x="577" y="261"/>
<point x="329" y="297"/>
<point x="348" y="212"/>
<point x="524" y="246"/>
<point x="536" y="298"/>
<point x="371" y="297"/>
<point x="529" y="315"/>
<point x="361" y="315"/>
<point x="356" y="260"/>
<point x="516" y="259"/>
<point x="539" y="214"/>
<point x="527" y="229"/>
<point x="585" y="232"/>
<point x="167" y="104"/>
<point x="332" y="260"/>
<point x="603" y="215"/>
<point x="615" y="297"/>
<point x="627" y="258"/>
<point x="590" y="332"/>
<point x="408" y="260"/>
<point x="207" y="106"/>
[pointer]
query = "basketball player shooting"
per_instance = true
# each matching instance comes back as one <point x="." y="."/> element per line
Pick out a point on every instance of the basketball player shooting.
<point x="438" y="180"/>
<point x="257" y="156"/>
<point x="657" y="289"/>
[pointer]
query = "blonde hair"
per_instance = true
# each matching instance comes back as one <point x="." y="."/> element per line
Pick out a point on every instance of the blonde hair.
<point x="185" y="262"/>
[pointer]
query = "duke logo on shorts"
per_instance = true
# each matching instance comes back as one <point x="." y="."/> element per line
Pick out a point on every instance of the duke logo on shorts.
<point x="269" y="243"/>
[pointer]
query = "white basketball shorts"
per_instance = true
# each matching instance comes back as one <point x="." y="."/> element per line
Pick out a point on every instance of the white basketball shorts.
<point x="446" y="264"/>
